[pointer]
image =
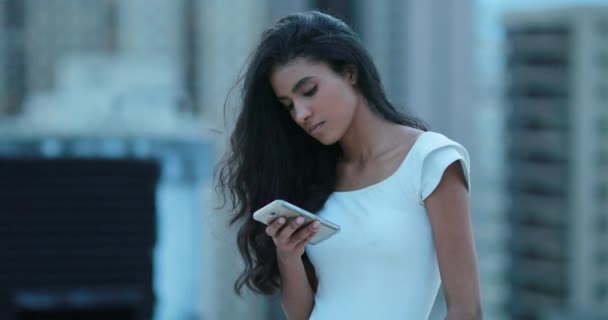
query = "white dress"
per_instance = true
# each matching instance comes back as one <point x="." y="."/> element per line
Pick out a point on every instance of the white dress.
<point x="382" y="264"/>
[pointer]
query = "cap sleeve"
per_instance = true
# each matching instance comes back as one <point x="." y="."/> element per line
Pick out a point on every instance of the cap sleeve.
<point x="434" y="156"/>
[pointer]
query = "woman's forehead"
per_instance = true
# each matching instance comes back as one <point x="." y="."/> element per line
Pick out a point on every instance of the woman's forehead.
<point x="284" y="77"/>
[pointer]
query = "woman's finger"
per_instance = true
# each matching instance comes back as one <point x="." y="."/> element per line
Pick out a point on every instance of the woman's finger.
<point x="305" y="234"/>
<point x="290" y="228"/>
<point x="275" y="226"/>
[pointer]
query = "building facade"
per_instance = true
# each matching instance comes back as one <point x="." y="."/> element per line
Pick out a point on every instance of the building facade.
<point x="557" y="71"/>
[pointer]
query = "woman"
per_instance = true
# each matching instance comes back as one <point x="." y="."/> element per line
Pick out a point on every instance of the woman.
<point x="317" y="130"/>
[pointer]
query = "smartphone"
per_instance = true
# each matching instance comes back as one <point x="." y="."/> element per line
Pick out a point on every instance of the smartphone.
<point x="281" y="208"/>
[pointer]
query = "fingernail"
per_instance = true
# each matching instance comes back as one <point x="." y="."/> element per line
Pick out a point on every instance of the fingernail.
<point x="281" y="220"/>
<point x="316" y="224"/>
<point x="299" y="220"/>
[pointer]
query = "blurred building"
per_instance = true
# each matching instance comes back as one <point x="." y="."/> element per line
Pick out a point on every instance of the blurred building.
<point x="12" y="55"/>
<point x="557" y="98"/>
<point x="3" y="60"/>
<point x="43" y="36"/>
<point x="102" y="81"/>
<point x="59" y="27"/>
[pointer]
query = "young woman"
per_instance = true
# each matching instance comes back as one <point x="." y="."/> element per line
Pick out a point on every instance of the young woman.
<point x="317" y="130"/>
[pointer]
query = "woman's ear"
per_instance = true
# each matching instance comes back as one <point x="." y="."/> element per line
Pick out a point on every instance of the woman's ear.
<point x="350" y="71"/>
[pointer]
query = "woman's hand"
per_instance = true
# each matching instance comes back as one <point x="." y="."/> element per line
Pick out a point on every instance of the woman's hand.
<point x="290" y="237"/>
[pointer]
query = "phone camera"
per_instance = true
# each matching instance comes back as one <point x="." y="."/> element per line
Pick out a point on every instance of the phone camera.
<point x="273" y="213"/>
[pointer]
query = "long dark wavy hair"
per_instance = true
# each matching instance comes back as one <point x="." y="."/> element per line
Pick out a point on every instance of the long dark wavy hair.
<point x="270" y="156"/>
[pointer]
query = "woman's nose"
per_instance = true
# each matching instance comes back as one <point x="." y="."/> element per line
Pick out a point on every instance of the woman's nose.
<point x="301" y="114"/>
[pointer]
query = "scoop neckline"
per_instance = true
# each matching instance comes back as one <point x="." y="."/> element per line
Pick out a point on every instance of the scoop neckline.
<point x="394" y="173"/>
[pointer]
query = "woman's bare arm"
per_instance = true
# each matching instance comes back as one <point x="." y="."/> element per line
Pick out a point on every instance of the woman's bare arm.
<point x="297" y="297"/>
<point x="448" y="211"/>
<point x="290" y="238"/>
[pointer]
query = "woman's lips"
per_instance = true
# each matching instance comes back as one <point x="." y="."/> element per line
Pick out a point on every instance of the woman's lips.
<point x="316" y="127"/>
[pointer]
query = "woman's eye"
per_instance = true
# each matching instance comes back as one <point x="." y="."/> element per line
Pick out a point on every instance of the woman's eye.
<point x="289" y="107"/>
<point x="311" y="92"/>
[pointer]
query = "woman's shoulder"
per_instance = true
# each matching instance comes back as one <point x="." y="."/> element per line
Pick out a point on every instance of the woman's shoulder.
<point x="428" y="141"/>
<point x="424" y="146"/>
<point x="434" y="152"/>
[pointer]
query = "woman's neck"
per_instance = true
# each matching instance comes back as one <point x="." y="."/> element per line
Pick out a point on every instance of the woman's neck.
<point x="368" y="136"/>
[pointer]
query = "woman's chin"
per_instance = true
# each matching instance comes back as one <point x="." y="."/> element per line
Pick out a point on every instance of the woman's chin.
<point x="326" y="141"/>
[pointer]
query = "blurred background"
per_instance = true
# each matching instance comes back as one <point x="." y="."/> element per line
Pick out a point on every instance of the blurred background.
<point x="112" y="118"/>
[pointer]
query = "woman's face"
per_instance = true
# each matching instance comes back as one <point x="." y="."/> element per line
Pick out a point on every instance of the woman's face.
<point x="318" y="99"/>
